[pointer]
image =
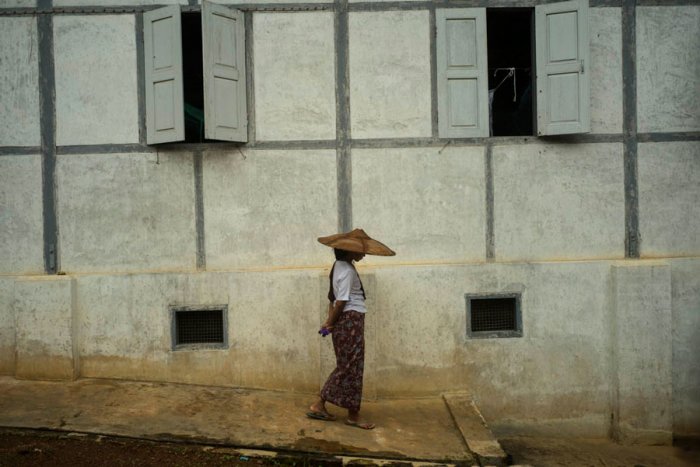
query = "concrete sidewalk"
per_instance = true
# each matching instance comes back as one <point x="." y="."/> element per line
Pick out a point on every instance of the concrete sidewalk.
<point x="441" y="429"/>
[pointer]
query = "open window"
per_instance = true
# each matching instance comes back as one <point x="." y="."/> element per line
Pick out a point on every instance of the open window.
<point x="493" y="81"/>
<point x="511" y="74"/>
<point x="195" y="75"/>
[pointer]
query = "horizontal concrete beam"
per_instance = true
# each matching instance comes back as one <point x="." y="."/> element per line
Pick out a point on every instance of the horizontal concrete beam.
<point x="387" y="143"/>
<point x="356" y="6"/>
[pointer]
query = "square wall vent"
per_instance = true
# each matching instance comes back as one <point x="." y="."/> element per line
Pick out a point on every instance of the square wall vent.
<point x="496" y="315"/>
<point x="199" y="327"/>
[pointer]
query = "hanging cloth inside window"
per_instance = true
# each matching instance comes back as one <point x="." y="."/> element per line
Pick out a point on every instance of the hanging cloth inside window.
<point x="511" y="73"/>
<point x="492" y="92"/>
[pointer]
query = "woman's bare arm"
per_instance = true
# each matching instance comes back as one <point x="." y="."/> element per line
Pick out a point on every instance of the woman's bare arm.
<point x="334" y="313"/>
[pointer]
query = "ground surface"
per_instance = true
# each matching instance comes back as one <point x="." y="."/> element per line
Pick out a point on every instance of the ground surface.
<point x="52" y="449"/>
<point x="598" y="453"/>
<point x="57" y="449"/>
<point x="406" y="429"/>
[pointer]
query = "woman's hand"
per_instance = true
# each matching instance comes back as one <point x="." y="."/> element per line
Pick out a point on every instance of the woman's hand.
<point x="334" y="313"/>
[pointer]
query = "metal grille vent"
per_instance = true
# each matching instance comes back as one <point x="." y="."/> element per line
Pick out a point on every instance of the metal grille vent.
<point x="199" y="327"/>
<point x="494" y="316"/>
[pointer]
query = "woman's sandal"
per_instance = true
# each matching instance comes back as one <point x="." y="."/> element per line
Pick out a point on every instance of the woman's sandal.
<point x="321" y="416"/>
<point x="362" y="425"/>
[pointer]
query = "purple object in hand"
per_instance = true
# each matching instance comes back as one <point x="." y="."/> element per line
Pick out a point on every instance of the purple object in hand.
<point x="324" y="332"/>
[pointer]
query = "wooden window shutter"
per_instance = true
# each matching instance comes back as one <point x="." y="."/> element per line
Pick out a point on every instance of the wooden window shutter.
<point x="462" y="73"/>
<point x="223" y="42"/>
<point x="563" y="64"/>
<point x="162" y="36"/>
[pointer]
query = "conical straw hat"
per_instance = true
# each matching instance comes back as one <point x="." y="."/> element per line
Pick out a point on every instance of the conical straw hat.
<point x="357" y="241"/>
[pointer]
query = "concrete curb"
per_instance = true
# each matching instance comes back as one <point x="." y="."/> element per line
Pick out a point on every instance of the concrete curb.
<point x="475" y="432"/>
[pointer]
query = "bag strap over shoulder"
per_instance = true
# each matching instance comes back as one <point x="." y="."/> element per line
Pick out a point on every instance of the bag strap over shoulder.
<point x="331" y="294"/>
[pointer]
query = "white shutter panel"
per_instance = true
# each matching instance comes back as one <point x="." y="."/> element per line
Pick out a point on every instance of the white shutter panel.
<point x="563" y="77"/>
<point x="162" y="37"/>
<point x="223" y="40"/>
<point x="462" y="73"/>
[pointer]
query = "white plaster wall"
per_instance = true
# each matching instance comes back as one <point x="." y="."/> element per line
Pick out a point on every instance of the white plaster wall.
<point x="266" y="208"/>
<point x="605" y="25"/>
<point x="556" y="374"/>
<point x="127" y="315"/>
<point x="685" y="288"/>
<point x="7" y="326"/>
<point x="266" y="307"/>
<point x="643" y="392"/>
<point x="126" y="212"/>
<point x="21" y="218"/>
<point x="669" y="198"/>
<point x="19" y="82"/>
<point x="125" y="328"/>
<point x="389" y="74"/>
<point x="96" y="88"/>
<point x="243" y="2"/>
<point x="559" y="370"/>
<point x="563" y="201"/>
<point x="119" y="2"/>
<point x="294" y="76"/>
<point x="668" y="68"/>
<point x="17" y="3"/>
<point x="426" y="204"/>
<point x="43" y="308"/>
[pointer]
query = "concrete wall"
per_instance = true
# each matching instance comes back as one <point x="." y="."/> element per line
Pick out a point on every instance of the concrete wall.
<point x="295" y="76"/>
<point x="99" y="106"/>
<point x="123" y="212"/>
<point x="669" y="199"/>
<point x="642" y="349"/>
<point x="265" y="208"/>
<point x="135" y="343"/>
<point x="389" y="61"/>
<point x="45" y="328"/>
<point x="7" y="326"/>
<point x="142" y="228"/>
<point x="558" y="202"/>
<point x="19" y="90"/>
<point x="685" y="290"/>
<point x="21" y="231"/>
<point x="668" y="68"/>
<point x="416" y="213"/>
<point x="565" y="343"/>
<point x="605" y="28"/>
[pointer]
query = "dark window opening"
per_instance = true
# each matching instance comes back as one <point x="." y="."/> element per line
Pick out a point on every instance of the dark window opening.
<point x="510" y="49"/>
<point x="494" y="316"/>
<point x="193" y="77"/>
<point x="199" y="327"/>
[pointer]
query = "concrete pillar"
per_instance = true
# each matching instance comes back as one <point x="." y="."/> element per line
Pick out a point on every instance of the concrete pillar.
<point x="44" y="309"/>
<point x="642" y="351"/>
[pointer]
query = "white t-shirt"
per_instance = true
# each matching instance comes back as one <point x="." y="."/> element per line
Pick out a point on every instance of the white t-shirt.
<point x="346" y="287"/>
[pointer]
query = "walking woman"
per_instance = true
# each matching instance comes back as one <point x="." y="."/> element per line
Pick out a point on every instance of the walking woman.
<point x="346" y="321"/>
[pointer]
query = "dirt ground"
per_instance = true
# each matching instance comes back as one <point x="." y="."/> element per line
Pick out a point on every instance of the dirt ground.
<point x="52" y="449"/>
<point x="55" y="449"/>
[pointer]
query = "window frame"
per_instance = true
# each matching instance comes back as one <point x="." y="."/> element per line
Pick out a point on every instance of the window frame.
<point x="544" y="105"/>
<point x="165" y="114"/>
<point x="175" y="346"/>
<point x="517" y="332"/>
